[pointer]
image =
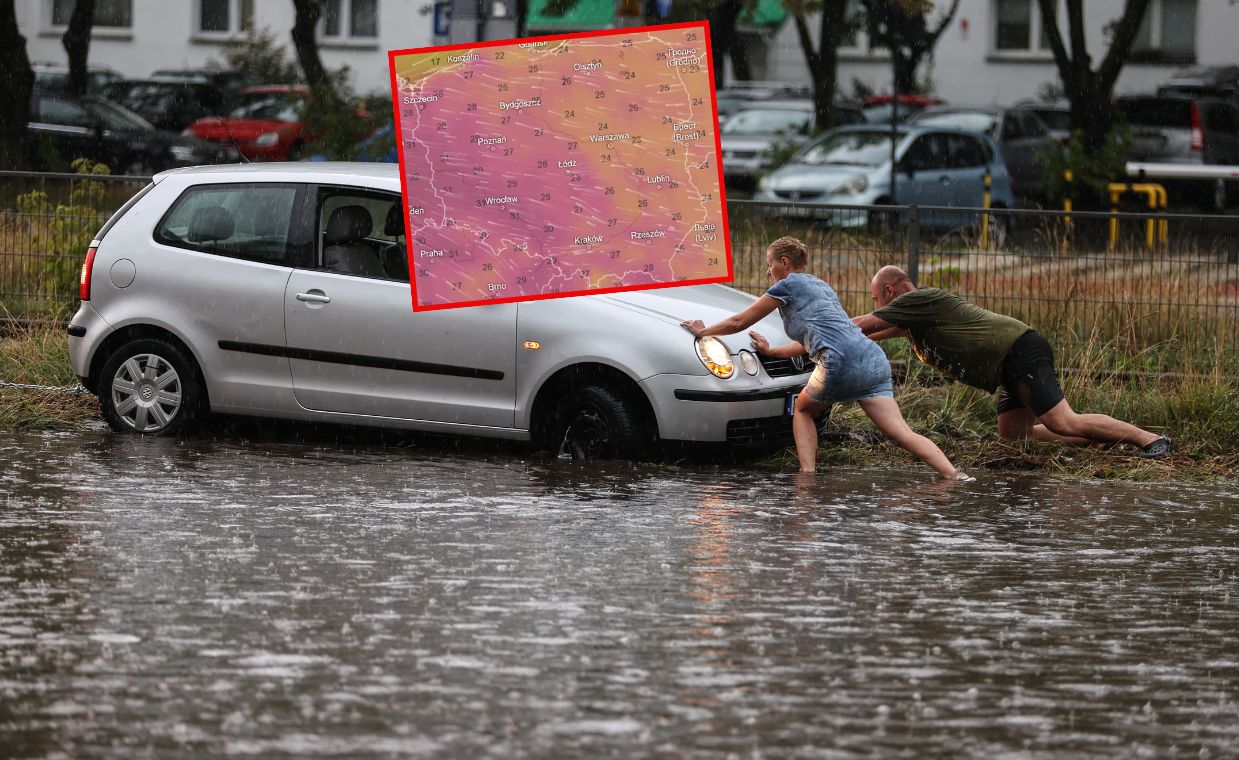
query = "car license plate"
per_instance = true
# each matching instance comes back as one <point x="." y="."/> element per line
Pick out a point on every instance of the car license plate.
<point x="790" y="405"/>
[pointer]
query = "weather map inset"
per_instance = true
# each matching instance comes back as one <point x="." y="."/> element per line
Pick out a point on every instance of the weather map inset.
<point x="560" y="166"/>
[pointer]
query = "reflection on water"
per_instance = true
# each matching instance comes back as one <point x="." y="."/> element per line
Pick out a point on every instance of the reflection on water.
<point x="257" y="598"/>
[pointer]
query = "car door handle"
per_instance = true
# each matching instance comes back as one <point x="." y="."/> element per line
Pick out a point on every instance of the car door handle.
<point x="944" y="179"/>
<point x="314" y="296"/>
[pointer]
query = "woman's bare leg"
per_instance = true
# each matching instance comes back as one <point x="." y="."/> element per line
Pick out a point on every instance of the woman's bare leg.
<point x="886" y="415"/>
<point x="804" y="430"/>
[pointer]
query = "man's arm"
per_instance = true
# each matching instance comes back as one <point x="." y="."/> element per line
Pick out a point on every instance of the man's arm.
<point x="878" y="329"/>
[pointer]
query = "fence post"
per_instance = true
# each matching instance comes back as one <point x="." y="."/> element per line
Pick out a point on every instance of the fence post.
<point x="914" y="243"/>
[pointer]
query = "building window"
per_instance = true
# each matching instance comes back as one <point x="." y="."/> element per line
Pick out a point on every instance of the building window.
<point x="113" y="13"/>
<point x="1017" y="27"/>
<point x="1167" y="33"/>
<point x="343" y="19"/>
<point x="225" y="17"/>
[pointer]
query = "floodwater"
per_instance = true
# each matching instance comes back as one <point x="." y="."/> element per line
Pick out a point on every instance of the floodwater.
<point x="267" y="597"/>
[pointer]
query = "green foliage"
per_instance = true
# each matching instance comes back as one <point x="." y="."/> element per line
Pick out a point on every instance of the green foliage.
<point x="64" y="230"/>
<point x="260" y="56"/>
<point x="1092" y="170"/>
<point x="339" y="120"/>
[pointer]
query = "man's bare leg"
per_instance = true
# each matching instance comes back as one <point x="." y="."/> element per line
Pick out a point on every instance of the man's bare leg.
<point x="1022" y="423"/>
<point x="1065" y="422"/>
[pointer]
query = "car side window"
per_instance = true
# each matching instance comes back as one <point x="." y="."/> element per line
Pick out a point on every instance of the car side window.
<point x="964" y="152"/>
<point x="362" y="233"/>
<point x="1032" y="124"/>
<point x="252" y="222"/>
<point x="64" y="113"/>
<point x="1012" y="126"/>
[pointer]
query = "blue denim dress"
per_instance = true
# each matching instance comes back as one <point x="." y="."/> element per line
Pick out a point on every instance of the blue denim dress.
<point x="850" y="366"/>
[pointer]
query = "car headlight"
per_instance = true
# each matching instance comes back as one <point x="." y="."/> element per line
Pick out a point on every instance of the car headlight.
<point x="714" y="354"/>
<point x="182" y="152"/>
<point x="749" y="362"/>
<point x="852" y="187"/>
<point x="267" y="139"/>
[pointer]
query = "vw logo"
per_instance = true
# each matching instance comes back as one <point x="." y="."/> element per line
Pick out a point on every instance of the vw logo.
<point x="795" y="196"/>
<point x="798" y="362"/>
<point x="147" y="393"/>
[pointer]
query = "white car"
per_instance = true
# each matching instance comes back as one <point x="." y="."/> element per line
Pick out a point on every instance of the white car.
<point x="281" y="290"/>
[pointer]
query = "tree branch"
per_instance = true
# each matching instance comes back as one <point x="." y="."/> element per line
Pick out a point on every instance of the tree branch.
<point x="1120" y="46"/>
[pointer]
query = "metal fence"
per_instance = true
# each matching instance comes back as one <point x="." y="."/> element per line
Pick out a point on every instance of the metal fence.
<point x="1095" y="283"/>
<point x="1148" y="291"/>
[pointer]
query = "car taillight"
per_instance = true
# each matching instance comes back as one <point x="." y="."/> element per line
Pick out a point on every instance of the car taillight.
<point x="1198" y="134"/>
<point x="87" y="266"/>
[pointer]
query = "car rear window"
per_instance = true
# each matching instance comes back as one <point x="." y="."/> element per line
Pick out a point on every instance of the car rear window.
<point x="250" y="221"/>
<point x="1153" y="112"/>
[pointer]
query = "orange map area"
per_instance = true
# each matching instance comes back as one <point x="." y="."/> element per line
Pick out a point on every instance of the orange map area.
<point x="560" y="167"/>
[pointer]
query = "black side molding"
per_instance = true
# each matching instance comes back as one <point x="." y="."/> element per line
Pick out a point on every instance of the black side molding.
<point x="757" y="395"/>
<point x="360" y="360"/>
<point x="76" y="331"/>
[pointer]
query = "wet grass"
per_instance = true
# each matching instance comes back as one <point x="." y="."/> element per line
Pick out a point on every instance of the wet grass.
<point x="1201" y="413"/>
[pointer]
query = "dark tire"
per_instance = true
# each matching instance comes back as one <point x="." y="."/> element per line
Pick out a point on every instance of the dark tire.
<point x="296" y="152"/>
<point x="148" y="386"/>
<point x="596" y="422"/>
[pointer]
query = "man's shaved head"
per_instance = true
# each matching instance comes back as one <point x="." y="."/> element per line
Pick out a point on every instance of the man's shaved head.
<point x="889" y="283"/>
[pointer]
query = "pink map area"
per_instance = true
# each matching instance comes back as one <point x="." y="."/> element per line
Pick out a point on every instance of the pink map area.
<point x="560" y="167"/>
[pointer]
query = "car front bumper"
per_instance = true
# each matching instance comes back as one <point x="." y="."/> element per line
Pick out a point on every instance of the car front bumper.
<point x="705" y="409"/>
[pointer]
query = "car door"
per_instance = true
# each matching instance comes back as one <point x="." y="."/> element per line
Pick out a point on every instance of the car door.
<point x="1023" y="137"/>
<point x="68" y="128"/>
<point x="357" y="346"/>
<point x="966" y="160"/>
<point x="927" y="179"/>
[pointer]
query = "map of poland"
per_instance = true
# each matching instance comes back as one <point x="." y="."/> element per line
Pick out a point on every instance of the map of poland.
<point x="560" y="166"/>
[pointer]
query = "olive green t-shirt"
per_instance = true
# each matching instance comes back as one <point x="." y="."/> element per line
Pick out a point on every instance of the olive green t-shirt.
<point x="959" y="338"/>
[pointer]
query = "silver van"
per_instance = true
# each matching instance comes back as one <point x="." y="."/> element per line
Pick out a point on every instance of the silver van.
<point x="281" y="290"/>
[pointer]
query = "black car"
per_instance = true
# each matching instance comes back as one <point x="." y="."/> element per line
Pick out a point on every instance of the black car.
<point x="226" y="81"/>
<point x="167" y="103"/>
<point x="54" y="76"/>
<point x="64" y="128"/>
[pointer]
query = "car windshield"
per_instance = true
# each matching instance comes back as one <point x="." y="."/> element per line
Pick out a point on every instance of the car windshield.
<point x="766" y="121"/>
<point x="275" y="106"/>
<point x="118" y="117"/>
<point x="151" y="98"/>
<point x="972" y="121"/>
<point x="848" y="148"/>
<point x="1054" y="118"/>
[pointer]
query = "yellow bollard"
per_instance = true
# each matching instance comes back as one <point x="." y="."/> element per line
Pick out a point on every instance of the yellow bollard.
<point x="1067" y="177"/>
<point x="985" y="204"/>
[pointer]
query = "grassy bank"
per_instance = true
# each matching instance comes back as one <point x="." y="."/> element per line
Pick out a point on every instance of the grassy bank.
<point x="1200" y="412"/>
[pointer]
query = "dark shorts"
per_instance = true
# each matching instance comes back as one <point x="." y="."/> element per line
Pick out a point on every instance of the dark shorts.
<point x="1028" y="377"/>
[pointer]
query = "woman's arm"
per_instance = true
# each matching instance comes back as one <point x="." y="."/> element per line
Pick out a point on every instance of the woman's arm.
<point x="762" y="346"/>
<point x="736" y="322"/>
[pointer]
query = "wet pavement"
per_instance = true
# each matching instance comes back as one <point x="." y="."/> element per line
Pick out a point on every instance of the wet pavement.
<point x="271" y="597"/>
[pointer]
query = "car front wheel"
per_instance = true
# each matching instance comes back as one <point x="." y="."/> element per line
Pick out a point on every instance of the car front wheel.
<point x="149" y="386"/>
<point x="596" y="422"/>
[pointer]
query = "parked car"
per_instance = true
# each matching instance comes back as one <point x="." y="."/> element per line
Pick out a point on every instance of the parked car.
<point x="1023" y="138"/>
<point x="1220" y="81"/>
<point x="103" y="131"/>
<point x="271" y="290"/>
<point x="1056" y="117"/>
<point x="1185" y="129"/>
<point x="748" y="94"/>
<point x="228" y="82"/>
<point x="264" y="123"/>
<point x="379" y="146"/>
<point x="851" y="166"/>
<point x="54" y="76"/>
<point x="877" y="108"/>
<point x="167" y="103"/>
<point x="749" y="135"/>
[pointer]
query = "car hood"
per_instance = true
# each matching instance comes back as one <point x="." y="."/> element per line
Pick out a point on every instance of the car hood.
<point x="709" y="303"/>
<point x="241" y="130"/>
<point x="816" y="178"/>
<point x="748" y="142"/>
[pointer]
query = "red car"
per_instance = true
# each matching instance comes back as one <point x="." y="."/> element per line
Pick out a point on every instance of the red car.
<point x="264" y="123"/>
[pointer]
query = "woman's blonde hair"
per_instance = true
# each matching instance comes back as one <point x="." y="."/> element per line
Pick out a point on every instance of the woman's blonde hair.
<point x="791" y="248"/>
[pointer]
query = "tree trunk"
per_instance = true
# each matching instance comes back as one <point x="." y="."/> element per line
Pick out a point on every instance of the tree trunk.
<point x="76" y="41"/>
<point x="306" y="43"/>
<point x="724" y="40"/>
<point x="823" y="61"/>
<point x="16" y="82"/>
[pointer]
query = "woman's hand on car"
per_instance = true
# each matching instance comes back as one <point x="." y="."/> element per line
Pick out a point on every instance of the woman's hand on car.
<point x="694" y="326"/>
<point x="760" y="344"/>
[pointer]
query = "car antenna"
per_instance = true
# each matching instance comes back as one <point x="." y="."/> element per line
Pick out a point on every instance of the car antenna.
<point x="233" y="140"/>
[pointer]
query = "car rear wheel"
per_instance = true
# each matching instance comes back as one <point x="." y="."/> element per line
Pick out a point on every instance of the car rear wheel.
<point x="596" y="422"/>
<point x="149" y="386"/>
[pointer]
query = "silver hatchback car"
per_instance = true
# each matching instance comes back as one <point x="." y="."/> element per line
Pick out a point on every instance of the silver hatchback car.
<point x="281" y="290"/>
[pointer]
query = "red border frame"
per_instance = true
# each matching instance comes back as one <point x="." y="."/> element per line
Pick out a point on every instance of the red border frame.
<point x="718" y="156"/>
